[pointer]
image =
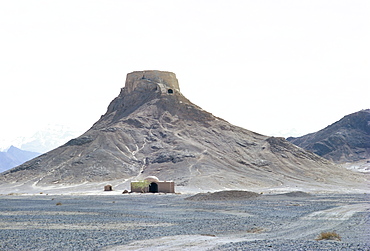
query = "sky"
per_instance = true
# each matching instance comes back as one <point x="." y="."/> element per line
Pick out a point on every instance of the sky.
<point x="276" y="67"/>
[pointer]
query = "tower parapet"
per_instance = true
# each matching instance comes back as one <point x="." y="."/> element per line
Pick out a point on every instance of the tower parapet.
<point x="164" y="81"/>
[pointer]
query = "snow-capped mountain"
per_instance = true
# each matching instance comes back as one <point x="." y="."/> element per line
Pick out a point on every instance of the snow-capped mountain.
<point x="42" y="140"/>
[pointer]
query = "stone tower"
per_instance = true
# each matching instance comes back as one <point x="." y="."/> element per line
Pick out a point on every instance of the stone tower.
<point x="166" y="82"/>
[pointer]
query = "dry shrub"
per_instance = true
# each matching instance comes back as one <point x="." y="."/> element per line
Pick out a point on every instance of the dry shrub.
<point x="59" y="203"/>
<point x="255" y="230"/>
<point x="328" y="236"/>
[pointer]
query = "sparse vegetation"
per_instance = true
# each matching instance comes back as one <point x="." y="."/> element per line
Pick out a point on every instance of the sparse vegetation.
<point x="59" y="203"/>
<point x="328" y="236"/>
<point x="256" y="230"/>
<point x="142" y="184"/>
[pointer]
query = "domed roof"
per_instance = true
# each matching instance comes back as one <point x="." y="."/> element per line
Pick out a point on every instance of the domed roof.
<point x="152" y="179"/>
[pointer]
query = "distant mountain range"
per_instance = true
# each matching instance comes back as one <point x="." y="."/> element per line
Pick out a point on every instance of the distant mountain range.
<point x="16" y="151"/>
<point x="14" y="157"/>
<point x="43" y="140"/>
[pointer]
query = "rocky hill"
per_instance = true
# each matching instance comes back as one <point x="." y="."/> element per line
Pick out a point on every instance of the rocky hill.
<point x="347" y="140"/>
<point x="152" y="129"/>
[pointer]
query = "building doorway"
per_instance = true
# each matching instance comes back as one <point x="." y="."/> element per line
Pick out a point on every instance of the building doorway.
<point x="153" y="187"/>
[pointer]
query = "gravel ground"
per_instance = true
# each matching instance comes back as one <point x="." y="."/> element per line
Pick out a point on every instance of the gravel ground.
<point x="281" y="222"/>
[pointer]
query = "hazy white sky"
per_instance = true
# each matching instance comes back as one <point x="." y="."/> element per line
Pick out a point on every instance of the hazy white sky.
<point x="266" y="65"/>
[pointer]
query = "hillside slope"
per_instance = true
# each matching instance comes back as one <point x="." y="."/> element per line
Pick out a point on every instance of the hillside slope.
<point x="347" y="140"/>
<point x="152" y="129"/>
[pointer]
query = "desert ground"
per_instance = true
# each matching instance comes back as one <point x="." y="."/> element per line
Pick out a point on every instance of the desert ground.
<point x="232" y="220"/>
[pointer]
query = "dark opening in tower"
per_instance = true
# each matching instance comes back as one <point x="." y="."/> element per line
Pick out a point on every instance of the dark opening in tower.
<point x="170" y="91"/>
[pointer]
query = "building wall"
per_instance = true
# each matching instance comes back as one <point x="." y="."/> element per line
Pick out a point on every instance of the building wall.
<point x="163" y="187"/>
<point x="166" y="187"/>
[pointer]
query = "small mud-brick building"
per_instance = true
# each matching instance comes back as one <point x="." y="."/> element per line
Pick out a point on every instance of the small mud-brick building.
<point x="153" y="185"/>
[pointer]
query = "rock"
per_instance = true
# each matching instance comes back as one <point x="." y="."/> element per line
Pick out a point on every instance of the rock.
<point x="347" y="140"/>
<point x="151" y="129"/>
<point x="224" y="195"/>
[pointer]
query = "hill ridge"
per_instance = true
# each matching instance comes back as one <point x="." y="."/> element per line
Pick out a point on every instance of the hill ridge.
<point x="151" y="129"/>
<point x="346" y="140"/>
